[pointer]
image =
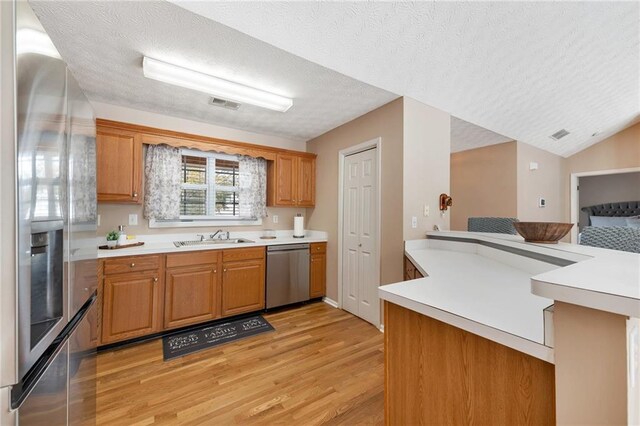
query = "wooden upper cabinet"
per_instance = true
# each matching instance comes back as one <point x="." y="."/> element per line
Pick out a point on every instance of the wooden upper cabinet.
<point x="306" y="185"/>
<point x="119" y="166"/>
<point x="291" y="181"/>
<point x="131" y="305"/>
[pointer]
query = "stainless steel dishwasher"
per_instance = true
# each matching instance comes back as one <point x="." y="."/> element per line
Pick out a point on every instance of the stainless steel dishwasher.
<point x="287" y="274"/>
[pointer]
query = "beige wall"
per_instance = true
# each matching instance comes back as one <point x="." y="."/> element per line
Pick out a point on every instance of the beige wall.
<point x="112" y="215"/>
<point x="591" y="366"/>
<point x="427" y="154"/>
<point x="483" y="183"/>
<point x="386" y="123"/>
<point x="546" y="182"/>
<point x="620" y="151"/>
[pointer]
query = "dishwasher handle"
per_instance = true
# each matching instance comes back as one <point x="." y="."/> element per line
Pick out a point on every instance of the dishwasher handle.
<point x="287" y="247"/>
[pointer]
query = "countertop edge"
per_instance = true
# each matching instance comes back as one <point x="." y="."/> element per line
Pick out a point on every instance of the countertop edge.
<point x="148" y="250"/>
<point x="512" y="341"/>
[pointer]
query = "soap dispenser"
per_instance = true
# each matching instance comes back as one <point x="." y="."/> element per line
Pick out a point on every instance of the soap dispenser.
<point x="122" y="236"/>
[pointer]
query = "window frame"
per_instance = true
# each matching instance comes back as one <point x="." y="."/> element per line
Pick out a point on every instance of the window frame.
<point x="211" y="190"/>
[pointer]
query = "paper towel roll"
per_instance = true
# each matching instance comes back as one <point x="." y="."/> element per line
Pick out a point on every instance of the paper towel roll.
<point x="298" y="226"/>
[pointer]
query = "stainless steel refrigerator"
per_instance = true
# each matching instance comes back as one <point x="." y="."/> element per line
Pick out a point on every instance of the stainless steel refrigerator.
<point x="48" y="265"/>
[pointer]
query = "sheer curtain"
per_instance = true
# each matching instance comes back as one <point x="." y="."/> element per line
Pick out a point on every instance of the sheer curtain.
<point x="252" y="187"/>
<point x="163" y="183"/>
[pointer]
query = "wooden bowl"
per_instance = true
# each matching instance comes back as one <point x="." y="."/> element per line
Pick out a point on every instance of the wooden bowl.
<point x="542" y="232"/>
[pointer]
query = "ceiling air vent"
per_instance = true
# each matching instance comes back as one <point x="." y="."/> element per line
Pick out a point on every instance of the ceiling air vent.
<point x="224" y="103"/>
<point x="559" y="134"/>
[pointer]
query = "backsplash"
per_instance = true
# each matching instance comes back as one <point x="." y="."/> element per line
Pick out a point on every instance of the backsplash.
<point x="112" y="215"/>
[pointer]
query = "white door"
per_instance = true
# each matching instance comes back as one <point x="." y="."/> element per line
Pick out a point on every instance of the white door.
<point x="359" y="239"/>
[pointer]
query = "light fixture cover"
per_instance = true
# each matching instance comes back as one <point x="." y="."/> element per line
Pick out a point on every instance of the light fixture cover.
<point x="29" y="40"/>
<point x="218" y="87"/>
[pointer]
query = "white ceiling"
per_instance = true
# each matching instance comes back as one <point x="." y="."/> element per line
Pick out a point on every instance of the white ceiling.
<point x="103" y="44"/>
<point x="465" y="135"/>
<point x="524" y="69"/>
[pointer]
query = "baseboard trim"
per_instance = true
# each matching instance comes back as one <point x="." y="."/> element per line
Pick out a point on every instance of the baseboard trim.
<point x="330" y="302"/>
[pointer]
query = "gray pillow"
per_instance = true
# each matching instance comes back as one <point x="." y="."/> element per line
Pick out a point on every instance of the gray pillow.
<point x="605" y="221"/>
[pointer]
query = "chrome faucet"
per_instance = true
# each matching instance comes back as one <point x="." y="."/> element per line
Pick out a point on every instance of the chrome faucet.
<point x="221" y="232"/>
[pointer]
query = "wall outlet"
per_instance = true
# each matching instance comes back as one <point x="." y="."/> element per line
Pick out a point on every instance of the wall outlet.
<point x="414" y="222"/>
<point x="542" y="203"/>
<point x="275" y="218"/>
<point x="533" y="165"/>
<point x="98" y="221"/>
<point x="133" y="219"/>
<point x="426" y="210"/>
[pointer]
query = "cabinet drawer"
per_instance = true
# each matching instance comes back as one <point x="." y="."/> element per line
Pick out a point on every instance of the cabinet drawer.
<point x="131" y="264"/>
<point x="243" y="254"/>
<point x="318" y="248"/>
<point x="193" y="258"/>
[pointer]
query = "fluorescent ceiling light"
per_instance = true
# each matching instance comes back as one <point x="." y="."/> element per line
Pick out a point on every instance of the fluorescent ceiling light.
<point x="211" y="85"/>
<point x="29" y="40"/>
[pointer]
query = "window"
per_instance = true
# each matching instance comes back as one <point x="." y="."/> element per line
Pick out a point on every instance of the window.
<point x="209" y="186"/>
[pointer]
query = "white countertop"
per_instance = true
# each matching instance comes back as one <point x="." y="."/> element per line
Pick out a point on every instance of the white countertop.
<point x="474" y="290"/>
<point x="163" y="243"/>
<point x="497" y="286"/>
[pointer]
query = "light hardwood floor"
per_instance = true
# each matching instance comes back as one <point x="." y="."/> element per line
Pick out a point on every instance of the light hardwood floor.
<point x="321" y="365"/>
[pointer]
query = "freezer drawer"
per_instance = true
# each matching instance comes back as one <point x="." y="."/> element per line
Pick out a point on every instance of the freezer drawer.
<point x="46" y="404"/>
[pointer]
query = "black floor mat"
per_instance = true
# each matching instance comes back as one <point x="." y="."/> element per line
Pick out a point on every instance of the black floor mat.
<point x="187" y="342"/>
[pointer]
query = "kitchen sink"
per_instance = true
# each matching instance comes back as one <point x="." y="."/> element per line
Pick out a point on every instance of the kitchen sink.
<point x="211" y="242"/>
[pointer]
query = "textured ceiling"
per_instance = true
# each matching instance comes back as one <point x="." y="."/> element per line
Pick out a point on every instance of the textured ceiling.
<point x="524" y="69"/>
<point x="103" y="43"/>
<point x="465" y="135"/>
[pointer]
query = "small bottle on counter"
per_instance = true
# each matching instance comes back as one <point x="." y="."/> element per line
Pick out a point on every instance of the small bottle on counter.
<point x="122" y="236"/>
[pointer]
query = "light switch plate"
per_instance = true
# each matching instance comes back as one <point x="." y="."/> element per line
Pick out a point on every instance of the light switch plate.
<point x="98" y="221"/>
<point x="414" y="222"/>
<point x="133" y="219"/>
<point x="275" y="218"/>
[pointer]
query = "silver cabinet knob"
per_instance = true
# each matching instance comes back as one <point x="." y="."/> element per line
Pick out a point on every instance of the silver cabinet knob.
<point x="135" y="195"/>
<point x="133" y="264"/>
<point x="155" y="280"/>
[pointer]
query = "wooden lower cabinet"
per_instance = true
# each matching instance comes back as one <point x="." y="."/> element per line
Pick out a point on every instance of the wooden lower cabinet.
<point x="131" y="305"/>
<point x="438" y="374"/>
<point x="142" y="295"/>
<point x="410" y="270"/>
<point x="318" y="270"/>
<point x="242" y="287"/>
<point x="191" y="295"/>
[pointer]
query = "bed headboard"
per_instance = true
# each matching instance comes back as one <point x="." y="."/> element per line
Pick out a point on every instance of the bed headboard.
<point x="620" y="209"/>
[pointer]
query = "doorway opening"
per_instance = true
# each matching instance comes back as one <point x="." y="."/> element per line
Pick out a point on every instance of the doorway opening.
<point x="600" y="187"/>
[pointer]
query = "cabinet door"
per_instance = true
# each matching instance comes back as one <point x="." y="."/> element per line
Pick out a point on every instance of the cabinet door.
<point x="242" y="287"/>
<point x="285" y="180"/>
<point x="119" y="166"/>
<point x="191" y="295"/>
<point x="306" y="182"/>
<point x="318" y="275"/>
<point x="130" y="305"/>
